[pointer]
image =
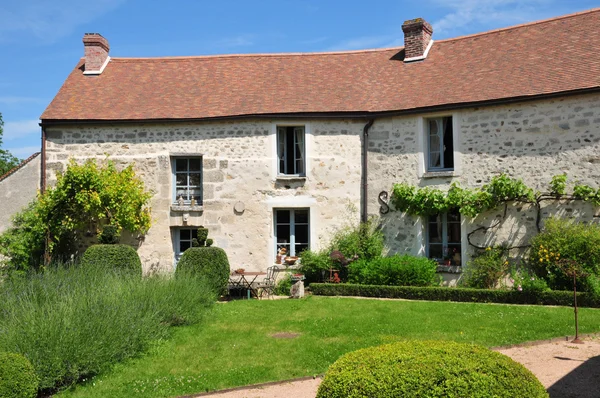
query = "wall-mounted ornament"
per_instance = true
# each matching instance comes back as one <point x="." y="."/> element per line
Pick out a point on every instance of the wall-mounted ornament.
<point x="383" y="197"/>
<point x="239" y="207"/>
<point x="185" y="217"/>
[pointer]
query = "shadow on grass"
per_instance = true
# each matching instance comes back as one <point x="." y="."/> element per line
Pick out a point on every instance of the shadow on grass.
<point x="582" y="382"/>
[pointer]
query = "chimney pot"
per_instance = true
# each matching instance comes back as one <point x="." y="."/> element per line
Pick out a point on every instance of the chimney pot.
<point x="417" y="38"/>
<point x="96" y="52"/>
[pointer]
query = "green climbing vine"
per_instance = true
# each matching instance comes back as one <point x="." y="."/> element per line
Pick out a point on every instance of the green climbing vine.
<point x="471" y="202"/>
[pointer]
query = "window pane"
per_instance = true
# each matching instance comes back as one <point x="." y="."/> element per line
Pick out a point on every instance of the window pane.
<point x="453" y="233"/>
<point x="184" y="234"/>
<point x="448" y="144"/>
<point x="181" y="165"/>
<point x="433" y="127"/>
<point x="194" y="233"/>
<point x="181" y="179"/>
<point x="434" y="159"/>
<point x="453" y="216"/>
<point x="436" y="251"/>
<point x="181" y="193"/>
<point x="283" y="216"/>
<point x="194" y="180"/>
<point x="301" y="234"/>
<point x="300" y="249"/>
<point x="301" y="216"/>
<point x="300" y="166"/>
<point x="434" y="143"/>
<point x="195" y="164"/>
<point x="183" y="246"/>
<point x="283" y="234"/>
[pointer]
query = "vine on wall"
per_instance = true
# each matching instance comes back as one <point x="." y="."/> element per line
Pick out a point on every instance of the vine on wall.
<point x="471" y="202"/>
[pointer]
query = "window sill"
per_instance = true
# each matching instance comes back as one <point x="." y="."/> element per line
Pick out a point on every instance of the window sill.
<point x="440" y="174"/>
<point x="450" y="269"/>
<point x="290" y="178"/>
<point x="186" y="208"/>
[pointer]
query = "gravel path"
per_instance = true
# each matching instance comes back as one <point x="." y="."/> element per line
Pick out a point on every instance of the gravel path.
<point x="566" y="370"/>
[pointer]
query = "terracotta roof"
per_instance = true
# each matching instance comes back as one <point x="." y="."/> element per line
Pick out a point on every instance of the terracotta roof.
<point x="552" y="56"/>
<point x="19" y="166"/>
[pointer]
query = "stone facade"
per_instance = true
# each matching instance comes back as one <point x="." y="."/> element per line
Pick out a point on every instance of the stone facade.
<point x="18" y="189"/>
<point x="532" y="140"/>
<point x="239" y="166"/>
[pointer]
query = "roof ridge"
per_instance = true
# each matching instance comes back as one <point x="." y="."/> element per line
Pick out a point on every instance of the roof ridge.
<point x="250" y="55"/>
<point x="18" y="167"/>
<point x="523" y="25"/>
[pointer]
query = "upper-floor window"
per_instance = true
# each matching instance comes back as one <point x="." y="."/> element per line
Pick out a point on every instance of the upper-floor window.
<point x="291" y="150"/>
<point x="440" y="144"/>
<point x="443" y="238"/>
<point x="187" y="174"/>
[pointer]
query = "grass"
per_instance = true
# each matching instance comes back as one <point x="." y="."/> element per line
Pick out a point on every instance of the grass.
<point x="235" y="347"/>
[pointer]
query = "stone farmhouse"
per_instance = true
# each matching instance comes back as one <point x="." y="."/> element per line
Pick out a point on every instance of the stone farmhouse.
<point x="279" y="150"/>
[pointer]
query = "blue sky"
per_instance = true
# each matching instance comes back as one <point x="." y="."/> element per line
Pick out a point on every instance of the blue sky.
<point x="40" y="40"/>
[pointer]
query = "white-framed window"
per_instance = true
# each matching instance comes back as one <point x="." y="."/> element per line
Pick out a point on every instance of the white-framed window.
<point x="440" y="143"/>
<point x="291" y="150"/>
<point x="444" y="238"/>
<point x="182" y="240"/>
<point x="292" y="230"/>
<point x="187" y="178"/>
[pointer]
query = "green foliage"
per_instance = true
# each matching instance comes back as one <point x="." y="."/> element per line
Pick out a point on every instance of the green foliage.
<point x="471" y="202"/>
<point x="558" y="185"/>
<point x="363" y="241"/>
<point x="283" y="286"/>
<point x="122" y="257"/>
<point x="553" y="297"/>
<point x="110" y="235"/>
<point x="564" y="239"/>
<point x="209" y="242"/>
<point x="587" y="193"/>
<point x="486" y="268"/>
<point x="7" y="160"/>
<point x="17" y="377"/>
<point x="74" y="322"/>
<point x="405" y="270"/>
<point x="428" y="369"/>
<point x="210" y="263"/>
<point x="84" y="194"/>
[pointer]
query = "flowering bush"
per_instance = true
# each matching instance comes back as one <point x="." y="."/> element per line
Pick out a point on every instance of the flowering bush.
<point x="526" y="281"/>
<point x="564" y="239"/>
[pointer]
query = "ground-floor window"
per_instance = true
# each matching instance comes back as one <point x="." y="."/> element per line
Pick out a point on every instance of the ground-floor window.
<point x="182" y="240"/>
<point x="291" y="230"/>
<point x="443" y="238"/>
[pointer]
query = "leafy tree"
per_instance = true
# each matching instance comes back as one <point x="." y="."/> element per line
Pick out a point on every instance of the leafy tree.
<point x="85" y="196"/>
<point x="7" y="160"/>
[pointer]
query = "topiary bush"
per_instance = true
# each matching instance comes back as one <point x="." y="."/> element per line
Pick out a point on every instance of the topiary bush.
<point x="564" y="239"/>
<point x="405" y="270"/>
<point x="428" y="369"/>
<point x="122" y="257"/>
<point x="210" y="263"/>
<point x="17" y="377"/>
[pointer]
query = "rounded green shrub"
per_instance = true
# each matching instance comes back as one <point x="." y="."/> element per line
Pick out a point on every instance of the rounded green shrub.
<point x="17" y="377"/>
<point x="208" y="262"/>
<point x="428" y="369"/>
<point x="122" y="257"/>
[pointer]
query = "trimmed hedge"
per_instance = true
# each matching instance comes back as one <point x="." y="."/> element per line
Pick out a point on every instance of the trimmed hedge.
<point x="562" y="298"/>
<point x="428" y="369"/>
<point x="17" y="377"/>
<point x="112" y="257"/>
<point x="397" y="270"/>
<point x="208" y="262"/>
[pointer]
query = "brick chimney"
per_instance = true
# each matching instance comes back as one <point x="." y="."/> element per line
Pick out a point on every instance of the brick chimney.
<point x="96" y="53"/>
<point x="417" y="39"/>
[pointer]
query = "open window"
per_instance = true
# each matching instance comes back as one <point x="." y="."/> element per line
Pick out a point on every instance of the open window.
<point x="291" y="150"/>
<point x="440" y="144"/>
<point x="292" y="230"/>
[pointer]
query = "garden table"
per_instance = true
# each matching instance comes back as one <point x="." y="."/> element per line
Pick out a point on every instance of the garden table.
<point x="245" y="280"/>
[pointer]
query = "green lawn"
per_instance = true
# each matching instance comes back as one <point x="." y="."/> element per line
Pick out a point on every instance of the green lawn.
<point x="234" y="346"/>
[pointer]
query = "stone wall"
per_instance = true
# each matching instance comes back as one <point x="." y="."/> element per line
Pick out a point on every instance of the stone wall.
<point x="18" y="189"/>
<point x="530" y="140"/>
<point x="238" y="166"/>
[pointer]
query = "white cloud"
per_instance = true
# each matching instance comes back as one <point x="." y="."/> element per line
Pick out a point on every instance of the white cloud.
<point x="14" y="130"/>
<point x="484" y="15"/>
<point x="23" y="152"/>
<point x="49" y="20"/>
